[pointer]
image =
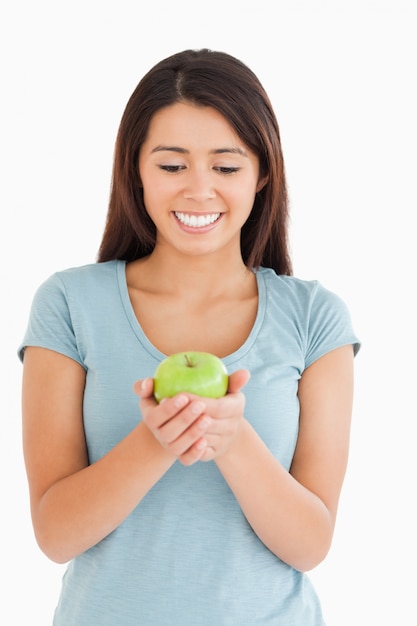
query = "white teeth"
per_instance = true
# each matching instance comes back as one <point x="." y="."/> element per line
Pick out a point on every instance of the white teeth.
<point x="196" y="221"/>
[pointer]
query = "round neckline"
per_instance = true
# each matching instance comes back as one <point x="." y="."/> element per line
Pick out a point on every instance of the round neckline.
<point x="153" y="350"/>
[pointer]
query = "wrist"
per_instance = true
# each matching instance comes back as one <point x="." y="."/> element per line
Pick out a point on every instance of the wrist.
<point x="235" y="451"/>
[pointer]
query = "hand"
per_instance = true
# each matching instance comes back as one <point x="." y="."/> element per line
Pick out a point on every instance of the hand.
<point x="226" y="416"/>
<point x="177" y="423"/>
<point x="180" y="423"/>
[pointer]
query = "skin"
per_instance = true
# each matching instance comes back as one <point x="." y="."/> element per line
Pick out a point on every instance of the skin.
<point x="192" y="162"/>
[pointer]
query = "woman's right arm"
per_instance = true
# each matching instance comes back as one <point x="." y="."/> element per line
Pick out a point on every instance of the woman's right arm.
<point x="73" y="504"/>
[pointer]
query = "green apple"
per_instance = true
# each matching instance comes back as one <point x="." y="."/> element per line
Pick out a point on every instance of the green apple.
<point x="199" y="373"/>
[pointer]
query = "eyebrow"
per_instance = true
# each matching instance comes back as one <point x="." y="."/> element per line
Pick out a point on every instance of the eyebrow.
<point x="184" y="151"/>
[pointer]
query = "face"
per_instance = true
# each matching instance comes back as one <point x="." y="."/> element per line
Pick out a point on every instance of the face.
<point x="199" y="179"/>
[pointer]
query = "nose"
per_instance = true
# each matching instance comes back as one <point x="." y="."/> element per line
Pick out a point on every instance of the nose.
<point x="199" y="186"/>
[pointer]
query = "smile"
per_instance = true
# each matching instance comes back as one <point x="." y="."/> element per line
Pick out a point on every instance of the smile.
<point x="196" y="221"/>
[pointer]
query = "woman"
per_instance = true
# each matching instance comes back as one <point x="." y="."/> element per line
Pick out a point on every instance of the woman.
<point x="194" y="510"/>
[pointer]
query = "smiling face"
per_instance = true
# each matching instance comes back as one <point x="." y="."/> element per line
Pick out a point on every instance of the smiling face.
<point x="199" y="179"/>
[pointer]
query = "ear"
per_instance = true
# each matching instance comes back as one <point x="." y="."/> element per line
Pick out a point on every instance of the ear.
<point x="261" y="183"/>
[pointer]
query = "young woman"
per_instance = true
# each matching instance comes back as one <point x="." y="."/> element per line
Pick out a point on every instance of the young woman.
<point x="194" y="511"/>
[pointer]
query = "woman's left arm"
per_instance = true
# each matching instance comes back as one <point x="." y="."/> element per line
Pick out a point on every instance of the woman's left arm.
<point x="294" y="512"/>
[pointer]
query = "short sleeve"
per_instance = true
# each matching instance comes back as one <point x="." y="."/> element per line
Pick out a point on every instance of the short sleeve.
<point x="50" y="325"/>
<point x="329" y="325"/>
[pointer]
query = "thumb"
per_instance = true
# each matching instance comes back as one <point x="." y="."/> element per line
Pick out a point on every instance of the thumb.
<point x="144" y="388"/>
<point x="238" y="380"/>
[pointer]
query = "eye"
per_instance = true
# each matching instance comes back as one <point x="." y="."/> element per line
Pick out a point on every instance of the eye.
<point x="172" y="169"/>
<point x="227" y="170"/>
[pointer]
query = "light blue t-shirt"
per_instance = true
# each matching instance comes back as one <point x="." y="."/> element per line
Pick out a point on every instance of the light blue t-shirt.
<point x="186" y="555"/>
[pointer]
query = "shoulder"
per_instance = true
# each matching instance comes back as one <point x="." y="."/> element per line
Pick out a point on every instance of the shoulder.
<point x="293" y="289"/>
<point x="82" y="279"/>
<point x="76" y="288"/>
<point x="318" y="315"/>
<point x="68" y="304"/>
<point x="93" y="272"/>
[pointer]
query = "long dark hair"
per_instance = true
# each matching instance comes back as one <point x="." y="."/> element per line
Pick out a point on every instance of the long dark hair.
<point x="218" y="80"/>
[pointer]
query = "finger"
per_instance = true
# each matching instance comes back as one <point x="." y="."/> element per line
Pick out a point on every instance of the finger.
<point x="195" y="453"/>
<point x="209" y="453"/>
<point x="156" y="415"/>
<point x="182" y="430"/>
<point x="144" y="388"/>
<point x="238" y="380"/>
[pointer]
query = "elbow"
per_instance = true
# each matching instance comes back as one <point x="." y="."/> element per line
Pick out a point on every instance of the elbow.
<point x="54" y="548"/>
<point x="314" y="541"/>
<point x="307" y="548"/>
<point x="55" y="535"/>
<point x="54" y="553"/>
<point x="312" y="551"/>
<point x="310" y="558"/>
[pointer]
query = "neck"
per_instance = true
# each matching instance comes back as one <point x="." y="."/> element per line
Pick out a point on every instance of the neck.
<point x="197" y="276"/>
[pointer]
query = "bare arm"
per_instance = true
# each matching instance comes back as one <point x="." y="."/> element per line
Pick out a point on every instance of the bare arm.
<point x="294" y="513"/>
<point x="74" y="504"/>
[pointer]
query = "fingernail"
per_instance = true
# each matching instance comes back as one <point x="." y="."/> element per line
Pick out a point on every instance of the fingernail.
<point x="205" y="422"/>
<point x="197" y="408"/>
<point x="180" y="402"/>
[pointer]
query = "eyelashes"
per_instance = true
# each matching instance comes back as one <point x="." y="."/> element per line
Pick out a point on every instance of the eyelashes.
<point x="174" y="169"/>
<point x="171" y="169"/>
<point x="227" y="170"/>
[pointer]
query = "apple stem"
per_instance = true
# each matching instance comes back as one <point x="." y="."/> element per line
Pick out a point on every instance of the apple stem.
<point x="188" y="360"/>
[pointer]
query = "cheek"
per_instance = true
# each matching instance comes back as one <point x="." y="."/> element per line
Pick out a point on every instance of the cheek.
<point x="158" y="190"/>
<point x="149" y="201"/>
<point x="244" y="196"/>
<point x="153" y="192"/>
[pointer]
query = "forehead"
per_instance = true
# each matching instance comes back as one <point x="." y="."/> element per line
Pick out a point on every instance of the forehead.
<point x="192" y="121"/>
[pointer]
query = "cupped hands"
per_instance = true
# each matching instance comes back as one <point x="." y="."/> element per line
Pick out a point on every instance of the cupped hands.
<point x="193" y="428"/>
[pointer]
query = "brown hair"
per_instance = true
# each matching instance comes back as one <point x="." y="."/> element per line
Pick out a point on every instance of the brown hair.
<point x="218" y="80"/>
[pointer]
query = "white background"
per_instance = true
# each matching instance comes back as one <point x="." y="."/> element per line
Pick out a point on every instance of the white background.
<point x="342" y="79"/>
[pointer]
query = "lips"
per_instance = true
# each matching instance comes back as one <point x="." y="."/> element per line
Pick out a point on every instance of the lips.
<point x="196" y="221"/>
